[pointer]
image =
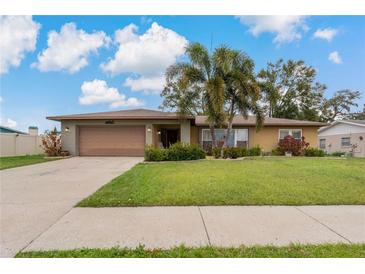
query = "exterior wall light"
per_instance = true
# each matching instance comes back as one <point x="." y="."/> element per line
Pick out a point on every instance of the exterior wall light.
<point x="159" y="132"/>
<point x="148" y="129"/>
<point x="67" y="129"/>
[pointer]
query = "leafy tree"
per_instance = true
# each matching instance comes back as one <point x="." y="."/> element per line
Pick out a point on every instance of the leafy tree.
<point x="194" y="88"/>
<point x="242" y="93"/>
<point x="290" y="91"/>
<point x="357" y="115"/>
<point x="220" y="86"/>
<point x="339" y="106"/>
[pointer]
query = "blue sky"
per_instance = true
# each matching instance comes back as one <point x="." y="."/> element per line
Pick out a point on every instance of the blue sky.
<point x="87" y="67"/>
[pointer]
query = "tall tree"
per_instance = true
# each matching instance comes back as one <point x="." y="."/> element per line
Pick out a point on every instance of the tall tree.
<point x="357" y="115"/>
<point x="290" y="90"/>
<point x="242" y="93"/>
<point x="194" y="88"/>
<point x="220" y="86"/>
<point x="339" y="106"/>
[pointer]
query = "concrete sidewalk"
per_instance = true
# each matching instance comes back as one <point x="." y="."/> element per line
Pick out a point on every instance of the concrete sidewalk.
<point x="165" y="227"/>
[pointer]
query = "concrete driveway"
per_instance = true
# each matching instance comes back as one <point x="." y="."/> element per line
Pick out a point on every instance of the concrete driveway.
<point x="34" y="197"/>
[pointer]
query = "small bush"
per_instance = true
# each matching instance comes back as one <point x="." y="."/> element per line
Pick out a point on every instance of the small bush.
<point x="338" y="154"/>
<point x="176" y="152"/>
<point x="234" y="152"/>
<point x="314" y="152"/>
<point x="216" y="152"/>
<point x="277" y="152"/>
<point x="51" y="143"/>
<point x="255" y="151"/>
<point x="153" y="154"/>
<point x="290" y="144"/>
<point x="243" y="152"/>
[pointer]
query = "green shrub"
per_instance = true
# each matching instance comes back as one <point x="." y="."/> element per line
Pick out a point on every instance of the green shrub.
<point x="196" y="152"/>
<point x="176" y="152"/>
<point x="216" y="152"/>
<point x="243" y="151"/>
<point x="277" y="152"/>
<point x="338" y="154"/>
<point x="232" y="152"/>
<point x="254" y="151"/>
<point x="153" y="154"/>
<point x="313" y="152"/>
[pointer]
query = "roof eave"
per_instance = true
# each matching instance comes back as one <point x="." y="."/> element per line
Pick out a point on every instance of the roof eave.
<point x="63" y="118"/>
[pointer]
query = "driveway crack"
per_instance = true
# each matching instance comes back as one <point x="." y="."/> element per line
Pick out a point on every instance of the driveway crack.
<point x="318" y="221"/>
<point x="205" y="227"/>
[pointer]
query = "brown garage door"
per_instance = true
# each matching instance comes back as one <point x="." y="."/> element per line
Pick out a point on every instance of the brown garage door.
<point x="111" y="140"/>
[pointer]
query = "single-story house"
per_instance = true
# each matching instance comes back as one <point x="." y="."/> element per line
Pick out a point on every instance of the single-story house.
<point x="343" y="136"/>
<point x="127" y="132"/>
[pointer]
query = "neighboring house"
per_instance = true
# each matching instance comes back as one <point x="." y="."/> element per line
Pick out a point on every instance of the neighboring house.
<point x="10" y="130"/>
<point x="126" y="132"/>
<point x="14" y="142"/>
<point x="345" y="136"/>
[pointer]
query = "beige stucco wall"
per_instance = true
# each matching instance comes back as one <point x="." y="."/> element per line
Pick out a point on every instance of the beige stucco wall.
<point x="268" y="137"/>
<point x="70" y="138"/>
<point x="12" y="144"/>
<point x="333" y="143"/>
<point x="194" y="135"/>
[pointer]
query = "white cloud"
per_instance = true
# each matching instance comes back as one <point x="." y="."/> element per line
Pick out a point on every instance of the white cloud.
<point x="10" y="123"/>
<point x="1" y="99"/>
<point x="98" y="92"/>
<point x="18" y="36"/>
<point x="326" y="34"/>
<point x="70" y="48"/>
<point x="153" y="84"/>
<point x="147" y="55"/>
<point x="335" y="57"/>
<point x="285" y="27"/>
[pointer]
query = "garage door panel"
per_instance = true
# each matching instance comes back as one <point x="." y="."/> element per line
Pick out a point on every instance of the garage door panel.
<point x="111" y="140"/>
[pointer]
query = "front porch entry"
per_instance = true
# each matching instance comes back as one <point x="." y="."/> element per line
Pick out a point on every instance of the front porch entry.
<point x="167" y="135"/>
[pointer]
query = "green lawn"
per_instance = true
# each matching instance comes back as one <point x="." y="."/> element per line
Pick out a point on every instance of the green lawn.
<point x="292" y="251"/>
<point x="16" y="161"/>
<point x="260" y="181"/>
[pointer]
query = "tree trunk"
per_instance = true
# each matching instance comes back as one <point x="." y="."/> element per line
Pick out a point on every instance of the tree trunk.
<point x="229" y="126"/>
<point x="212" y="133"/>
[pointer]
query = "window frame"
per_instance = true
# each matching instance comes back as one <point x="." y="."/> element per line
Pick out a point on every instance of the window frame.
<point x="290" y="133"/>
<point x="349" y="145"/>
<point x="322" y="139"/>
<point x="233" y="129"/>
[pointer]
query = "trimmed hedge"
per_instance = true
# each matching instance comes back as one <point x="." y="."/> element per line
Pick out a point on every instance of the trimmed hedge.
<point x="176" y="152"/>
<point x="313" y="152"/>
<point x="236" y="152"/>
<point x="338" y="154"/>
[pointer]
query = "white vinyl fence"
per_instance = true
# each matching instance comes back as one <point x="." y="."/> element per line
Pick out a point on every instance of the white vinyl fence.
<point x="12" y="144"/>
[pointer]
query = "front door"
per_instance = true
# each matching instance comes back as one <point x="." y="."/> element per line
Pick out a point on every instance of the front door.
<point x="169" y="137"/>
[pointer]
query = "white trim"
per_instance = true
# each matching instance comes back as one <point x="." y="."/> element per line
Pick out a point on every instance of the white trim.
<point x="290" y="132"/>
<point x="232" y="130"/>
<point x="325" y="143"/>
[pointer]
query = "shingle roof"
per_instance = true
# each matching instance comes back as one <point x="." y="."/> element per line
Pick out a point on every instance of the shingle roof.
<point x="348" y="122"/>
<point x="130" y="114"/>
<point x="251" y="121"/>
<point x="359" y="122"/>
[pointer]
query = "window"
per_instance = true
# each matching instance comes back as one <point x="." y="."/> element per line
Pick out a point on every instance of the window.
<point x="345" y="142"/>
<point x="322" y="143"/>
<point x="237" y="137"/>
<point x="296" y="133"/>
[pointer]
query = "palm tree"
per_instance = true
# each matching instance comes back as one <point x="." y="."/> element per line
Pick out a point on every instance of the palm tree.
<point x="220" y="86"/>
<point x="194" y="88"/>
<point x="242" y="92"/>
